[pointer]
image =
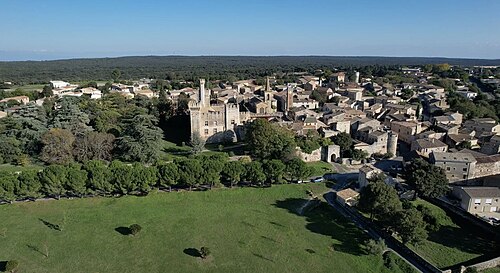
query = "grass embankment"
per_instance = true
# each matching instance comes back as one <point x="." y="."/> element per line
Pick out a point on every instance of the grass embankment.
<point x="454" y="242"/>
<point x="319" y="168"/>
<point x="247" y="230"/>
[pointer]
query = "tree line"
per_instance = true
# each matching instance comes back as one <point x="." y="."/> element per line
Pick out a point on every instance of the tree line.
<point x="96" y="177"/>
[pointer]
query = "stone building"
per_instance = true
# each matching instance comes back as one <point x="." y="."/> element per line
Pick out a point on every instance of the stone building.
<point x="478" y="199"/>
<point x="458" y="166"/>
<point x="214" y="123"/>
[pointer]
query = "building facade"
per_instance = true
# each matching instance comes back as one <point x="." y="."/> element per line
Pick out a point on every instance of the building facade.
<point x="214" y="123"/>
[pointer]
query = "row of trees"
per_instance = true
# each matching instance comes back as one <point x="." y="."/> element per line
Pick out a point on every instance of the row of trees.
<point x="98" y="178"/>
<point x="81" y="129"/>
<point x="411" y="223"/>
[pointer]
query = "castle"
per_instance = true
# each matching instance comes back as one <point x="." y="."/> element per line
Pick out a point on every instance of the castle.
<point x="214" y="123"/>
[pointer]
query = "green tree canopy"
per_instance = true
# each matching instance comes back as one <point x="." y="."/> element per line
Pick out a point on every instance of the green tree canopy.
<point x="270" y="141"/>
<point x="428" y="180"/>
<point x="141" y="140"/>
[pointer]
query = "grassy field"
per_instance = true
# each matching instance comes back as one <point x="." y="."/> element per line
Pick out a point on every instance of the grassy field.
<point x="320" y="168"/>
<point x="247" y="230"/>
<point x="29" y="87"/>
<point x="16" y="168"/>
<point x="454" y="242"/>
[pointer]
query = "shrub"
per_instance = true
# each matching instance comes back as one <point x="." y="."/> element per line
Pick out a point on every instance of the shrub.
<point x="11" y="266"/>
<point x="204" y="252"/>
<point x="134" y="229"/>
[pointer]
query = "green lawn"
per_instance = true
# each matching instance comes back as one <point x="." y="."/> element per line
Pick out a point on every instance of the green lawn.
<point x="319" y="168"/>
<point x="247" y="230"/>
<point x="16" y="168"/>
<point x="28" y="87"/>
<point x="454" y="242"/>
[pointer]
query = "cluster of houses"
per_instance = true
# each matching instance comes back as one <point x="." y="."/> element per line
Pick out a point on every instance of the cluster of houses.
<point x="382" y="119"/>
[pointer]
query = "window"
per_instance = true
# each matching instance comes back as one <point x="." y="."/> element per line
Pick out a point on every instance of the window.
<point x="488" y="201"/>
<point x="477" y="201"/>
<point x="465" y="169"/>
<point x="206" y="122"/>
<point x="215" y="130"/>
<point x="215" y="123"/>
<point x="206" y="131"/>
<point x="447" y="168"/>
<point x="232" y="121"/>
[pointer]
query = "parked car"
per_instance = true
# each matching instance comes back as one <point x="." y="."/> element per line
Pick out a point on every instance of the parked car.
<point x="318" y="179"/>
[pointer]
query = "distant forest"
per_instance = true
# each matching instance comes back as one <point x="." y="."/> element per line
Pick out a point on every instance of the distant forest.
<point x="190" y="68"/>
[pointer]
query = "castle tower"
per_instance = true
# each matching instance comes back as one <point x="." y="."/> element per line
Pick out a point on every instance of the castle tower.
<point x="356" y="78"/>
<point x="203" y="97"/>
<point x="268" y="85"/>
<point x="392" y="143"/>
<point x="289" y="98"/>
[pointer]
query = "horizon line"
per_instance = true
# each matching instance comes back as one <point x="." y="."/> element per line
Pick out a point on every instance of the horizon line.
<point x="261" y="56"/>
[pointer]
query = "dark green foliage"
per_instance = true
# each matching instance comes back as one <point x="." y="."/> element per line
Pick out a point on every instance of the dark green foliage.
<point x="428" y="180"/>
<point x="197" y="144"/>
<point x="254" y="173"/>
<point x="471" y="270"/>
<point x="189" y="172"/>
<point x="168" y="174"/>
<point x="431" y="221"/>
<point x="10" y="149"/>
<point x="269" y="141"/>
<point x="204" y="252"/>
<point x="8" y="183"/>
<point x="357" y="154"/>
<point x="28" y="185"/>
<point x="141" y="140"/>
<point x="375" y="247"/>
<point x="99" y="177"/>
<point x="11" y="266"/>
<point x="233" y="172"/>
<point x="344" y="140"/>
<point x="310" y="142"/>
<point x="144" y="178"/>
<point x="297" y="169"/>
<point x="69" y="116"/>
<point x="379" y="199"/>
<point x="76" y="180"/>
<point x="134" y="229"/>
<point x="212" y="166"/>
<point x="53" y="179"/>
<point x="274" y="170"/>
<point x="410" y="226"/>
<point x="214" y="67"/>
<point x="122" y="177"/>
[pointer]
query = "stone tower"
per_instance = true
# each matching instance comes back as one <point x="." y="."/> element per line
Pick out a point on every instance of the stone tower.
<point x="268" y="95"/>
<point x="392" y="143"/>
<point x="289" y="98"/>
<point x="203" y="95"/>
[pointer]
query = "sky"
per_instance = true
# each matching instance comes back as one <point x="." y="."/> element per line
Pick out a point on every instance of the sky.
<point x="57" y="29"/>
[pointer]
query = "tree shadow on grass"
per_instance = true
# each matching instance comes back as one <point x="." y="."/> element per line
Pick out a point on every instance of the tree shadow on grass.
<point x="464" y="239"/>
<point x="326" y="221"/>
<point x="123" y="231"/>
<point x="193" y="252"/>
<point x="50" y="225"/>
<point x="262" y="257"/>
<point x="35" y="249"/>
<point x="276" y="224"/>
<point x="3" y="265"/>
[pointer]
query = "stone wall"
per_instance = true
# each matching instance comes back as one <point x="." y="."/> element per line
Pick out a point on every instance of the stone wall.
<point x="313" y="156"/>
<point x="485" y="167"/>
